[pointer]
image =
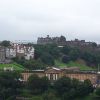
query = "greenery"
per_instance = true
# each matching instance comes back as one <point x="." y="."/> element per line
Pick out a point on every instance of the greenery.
<point x="71" y="89"/>
<point x="37" y="88"/>
<point x="72" y="64"/>
<point x="14" y="65"/>
<point x="98" y="91"/>
<point x="30" y="64"/>
<point x="40" y="84"/>
<point x="46" y="58"/>
<point x="8" y="89"/>
<point x="62" y="89"/>
<point x="52" y="55"/>
<point x="65" y="59"/>
<point x="5" y="43"/>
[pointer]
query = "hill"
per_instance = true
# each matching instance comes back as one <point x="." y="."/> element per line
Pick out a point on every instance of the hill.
<point x="73" y="64"/>
<point x="15" y="66"/>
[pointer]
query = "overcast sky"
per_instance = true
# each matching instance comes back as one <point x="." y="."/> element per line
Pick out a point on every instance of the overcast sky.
<point x="29" y="19"/>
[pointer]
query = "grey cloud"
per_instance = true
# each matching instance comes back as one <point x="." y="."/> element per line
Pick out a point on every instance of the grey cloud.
<point x="28" y="19"/>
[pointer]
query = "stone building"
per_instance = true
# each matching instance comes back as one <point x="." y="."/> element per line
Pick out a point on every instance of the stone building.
<point x="79" y="43"/>
<point x="16" y="50"/>
<point x="2" y="55"/>
<point x="10" y="52"/>
<point x="52" y="40"/>
<point x="62" y="41"/>
<point x="25" y="51"/>
<point x="56" y="73"/>
<point x="20" y="50"/>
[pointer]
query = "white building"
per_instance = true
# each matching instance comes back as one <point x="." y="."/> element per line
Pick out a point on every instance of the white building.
<point x="29" y="53"/>
<point x="20" y="50"/>
<point x="10" y="52"/>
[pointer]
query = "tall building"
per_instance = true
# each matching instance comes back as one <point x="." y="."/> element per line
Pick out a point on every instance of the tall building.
<point x="20" y="50"/>
<point x="25" y="51"/>
<point x="2" y="55"/>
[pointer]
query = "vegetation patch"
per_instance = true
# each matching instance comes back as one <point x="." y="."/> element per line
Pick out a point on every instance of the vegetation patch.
<point x="72" y="64"/>
<point x="15" y="66"/>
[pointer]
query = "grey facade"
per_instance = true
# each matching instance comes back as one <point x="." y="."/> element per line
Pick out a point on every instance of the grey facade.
<point x="2" y="55"/>
<point x="62" y="41"/>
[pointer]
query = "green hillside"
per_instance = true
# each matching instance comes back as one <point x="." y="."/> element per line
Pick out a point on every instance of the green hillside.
<point x="72" y="64"/>
<point x="14" y="65"/>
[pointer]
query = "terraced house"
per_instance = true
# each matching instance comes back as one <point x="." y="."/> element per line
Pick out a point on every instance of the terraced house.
<point x="20" y="50"/>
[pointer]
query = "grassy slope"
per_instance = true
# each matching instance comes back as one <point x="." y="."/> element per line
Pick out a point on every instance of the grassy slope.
<point x="14" y="65"/>
<point x="72" y="64"/>
<point x="58" y="63"/>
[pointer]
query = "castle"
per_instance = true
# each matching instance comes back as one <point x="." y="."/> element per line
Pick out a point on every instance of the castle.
<point x="62" y="41"/>
<point x="51" y="40"/>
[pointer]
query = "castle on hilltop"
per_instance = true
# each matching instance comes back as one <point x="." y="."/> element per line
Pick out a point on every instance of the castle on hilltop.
<point x="52" y="40"/>
<point x="62" y="41"/>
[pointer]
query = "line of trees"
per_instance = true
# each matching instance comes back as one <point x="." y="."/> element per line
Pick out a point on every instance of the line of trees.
<point x="70" y="89"/>
<point x="64" y="88"/>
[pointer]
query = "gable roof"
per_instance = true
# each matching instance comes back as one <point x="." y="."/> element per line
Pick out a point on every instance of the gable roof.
<point x="52" y="70"/>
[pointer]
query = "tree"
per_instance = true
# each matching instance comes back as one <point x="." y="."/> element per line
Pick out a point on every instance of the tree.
<point x="69" y="95"/>
<point x="37" y="85"/>
<point x="45" y="83"/>
<point x="55" y="52"/>
<point x="65" y="50"/>
<point x="89" y="87"/>
<point x="98" y="91"/>
<point x="70" y="89"/>
<point x="62" y="85"/>
<point x="49" y="94"/>
<point x="74" y="54"/>
<point x="46" y="58"/>
<point x="62" y="39"/>
<point x="90" y="58"/>
<point x="75" y="83"/>
<point x="9" y="84"/>
<point x="65" y="59"/>
<point x="84" y="88"/>
<point x="5" y="43"/>
<point x="94" y="44"/>
<point x="34" y="64"/>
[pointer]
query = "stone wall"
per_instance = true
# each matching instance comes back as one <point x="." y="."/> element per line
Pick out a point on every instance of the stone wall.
<point x="93" y="77"/>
